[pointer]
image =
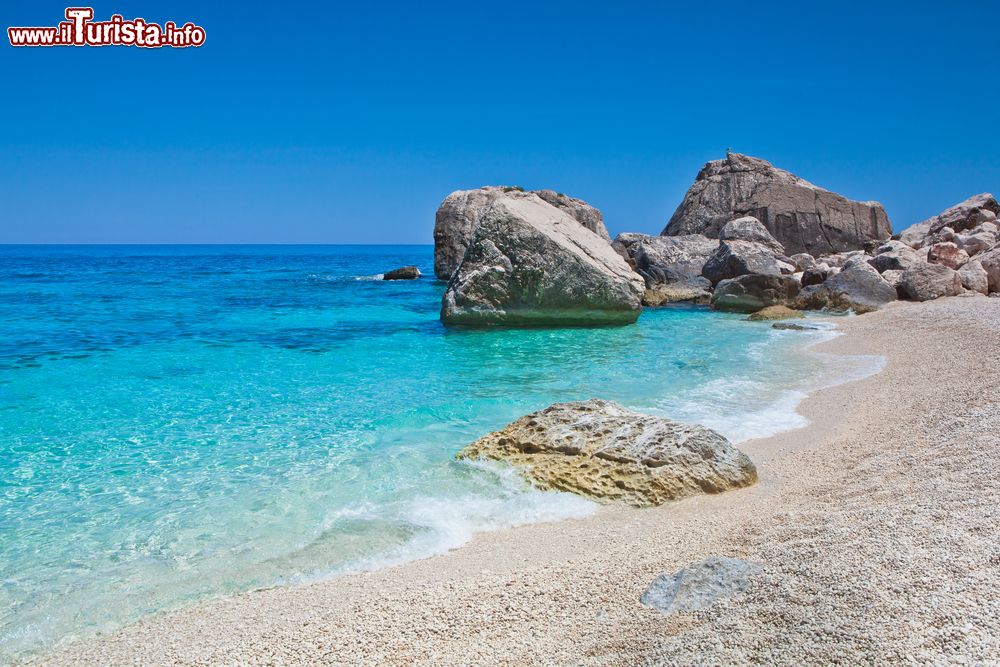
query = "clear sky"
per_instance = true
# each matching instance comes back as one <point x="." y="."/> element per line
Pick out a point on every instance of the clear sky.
<point x="334" y="122"/>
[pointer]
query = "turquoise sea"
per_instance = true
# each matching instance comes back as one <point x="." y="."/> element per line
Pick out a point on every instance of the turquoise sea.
<point x="179" y="422"/>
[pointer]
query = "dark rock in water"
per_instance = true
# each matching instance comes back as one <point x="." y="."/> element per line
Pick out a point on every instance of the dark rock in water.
<point x="795" y="327"/>
<point x="752" y="292"/>
<point x="800" y="215"/>
<point x="402" y="273"/>
<point x="531" y="264"/>
<point x="697" y="587"/>
<point x="461" y="211"/>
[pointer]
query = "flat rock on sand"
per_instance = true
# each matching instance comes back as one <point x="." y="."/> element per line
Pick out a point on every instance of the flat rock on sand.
<point x="697" y="587"/>
<point x="599" y="449"/>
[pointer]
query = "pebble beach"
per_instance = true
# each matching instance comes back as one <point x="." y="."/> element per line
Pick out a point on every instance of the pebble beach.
<point x="874" y="526"/>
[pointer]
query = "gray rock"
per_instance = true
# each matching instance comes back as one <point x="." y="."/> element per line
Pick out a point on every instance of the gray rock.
<point x="697" y="587"/>
<point x="803" y="261"/>
<point x="893" y="277"/>
<point x="531" y="264"/>
<point x="584" y="213"/>
<point x="924" y="282"/>
<point x="857" y="287"/>
<point x="461" y="211"/>
<point x="974" y="277"/>
<point x="749" y="228"/>
<point x="914" y="235"/>
<point x="893" y="256"/>
<point x="838" y="260"/>
<point x="990" y="262"/>
<point x="795" y="327"/>
<point x="402" y="273"/>
<point x="603" y="450"/>
<point x="818" y="274"/>
<point x="671" y="267"/>
<point x="800" y="215"/>
<point x="752" y="292"/>
<point x="976" y="243"/>
<point x="947" y="254"/>
<point x="737" y="258"/>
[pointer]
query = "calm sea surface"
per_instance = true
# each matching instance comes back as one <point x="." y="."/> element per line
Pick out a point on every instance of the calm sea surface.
<point x="178" y="422"/>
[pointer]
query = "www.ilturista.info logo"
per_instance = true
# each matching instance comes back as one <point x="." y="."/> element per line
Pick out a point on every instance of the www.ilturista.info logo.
<point x="81" y="30"/>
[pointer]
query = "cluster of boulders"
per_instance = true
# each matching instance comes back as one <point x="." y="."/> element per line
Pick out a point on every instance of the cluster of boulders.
<point x="747" y="236"/>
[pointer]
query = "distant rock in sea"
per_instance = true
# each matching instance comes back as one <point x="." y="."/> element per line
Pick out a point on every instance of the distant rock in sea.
<point x="600" y="449"/>
<point x="804" y="218"/>
<point x="461" y="212"/>
<point x="529" y="263"/>
<point x="402" y="273"/>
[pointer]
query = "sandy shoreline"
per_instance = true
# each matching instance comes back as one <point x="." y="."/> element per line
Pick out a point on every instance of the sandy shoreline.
<point x="876" y="526"/>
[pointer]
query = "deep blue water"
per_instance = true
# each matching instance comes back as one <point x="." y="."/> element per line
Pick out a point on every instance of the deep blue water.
<point x="179" y="422"/>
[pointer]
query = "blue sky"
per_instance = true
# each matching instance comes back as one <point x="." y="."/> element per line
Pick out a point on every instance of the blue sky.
<point x="348" y="123"/>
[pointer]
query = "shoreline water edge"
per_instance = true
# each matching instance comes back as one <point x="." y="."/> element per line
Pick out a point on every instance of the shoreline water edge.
<point x="780" y="416"/>
<point x="568" y="592"/>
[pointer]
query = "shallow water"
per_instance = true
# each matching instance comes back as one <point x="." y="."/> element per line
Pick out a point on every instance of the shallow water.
<point x="181" y="422"/>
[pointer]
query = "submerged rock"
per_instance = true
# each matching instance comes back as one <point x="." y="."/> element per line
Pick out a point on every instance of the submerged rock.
<point x="800" y="215"/>
<point x="600" y="449"/>
<point x="775" y="313"/>
<point x="530" y="264"/>
<point x="461" y="212"/>
<point x="700" y="585"/>
<point x="402" y="273"/>
<point x="752" y="292"/>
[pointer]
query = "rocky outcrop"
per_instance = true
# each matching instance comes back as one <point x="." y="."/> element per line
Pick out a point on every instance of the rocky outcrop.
<point x="924" y="282"/>
<point x="699" y="586"/>
<point x="962" y="217"/>
<point x="461" y="211"/>
<point x="402" y="273"/>
<point x="600" y="449"/>
<point x="772" y="313"/>
<point x="754" y="291"/>
<point x="800" y="215"/>
<point x="671" y="267"/>
<point x="530" y="264"/>
<point x="858" y="287"/>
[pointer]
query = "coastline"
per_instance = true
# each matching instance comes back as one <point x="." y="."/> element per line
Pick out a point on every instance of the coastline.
<point x="567" y="592"/>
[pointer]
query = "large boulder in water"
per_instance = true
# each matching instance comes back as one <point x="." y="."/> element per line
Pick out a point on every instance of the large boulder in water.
<point x="800" y="215"/>
<point x="754" y="291"/>
<point x="530" y="264"/>
<point x="858" y="287"/>
<point x="461" y="211"/>
<point x="600" y="449"/>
